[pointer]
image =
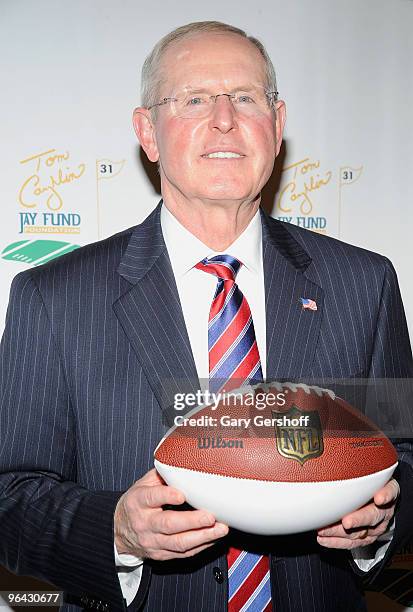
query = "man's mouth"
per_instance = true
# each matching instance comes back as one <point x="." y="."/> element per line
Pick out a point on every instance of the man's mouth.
<point x="222" y="155"/>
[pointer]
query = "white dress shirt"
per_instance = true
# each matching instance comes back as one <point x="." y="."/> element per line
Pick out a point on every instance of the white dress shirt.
<point x="196" y="290"/>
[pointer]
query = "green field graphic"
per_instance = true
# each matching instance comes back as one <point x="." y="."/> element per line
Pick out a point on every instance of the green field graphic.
<point x="37" y="252"/>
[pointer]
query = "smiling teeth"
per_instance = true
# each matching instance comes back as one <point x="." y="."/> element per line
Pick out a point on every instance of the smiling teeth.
<point x="223" y="154"/>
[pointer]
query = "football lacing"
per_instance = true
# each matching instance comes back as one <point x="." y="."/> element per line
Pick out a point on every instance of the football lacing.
<point x="295" y="386"/>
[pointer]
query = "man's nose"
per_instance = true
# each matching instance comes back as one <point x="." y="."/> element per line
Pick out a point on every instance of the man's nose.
<point x="223" y="114"/>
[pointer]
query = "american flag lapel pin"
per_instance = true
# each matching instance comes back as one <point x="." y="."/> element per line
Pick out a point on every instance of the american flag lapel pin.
<point x="308" y="304"/>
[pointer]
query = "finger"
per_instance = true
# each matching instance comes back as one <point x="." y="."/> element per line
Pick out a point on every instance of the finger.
<point x="166" y="555"/>
<point x="387" y="494"/>
<point x="169" y="522"/>
<point x="370" y="518"/>
<point x="345" y="543"/>
<point x="183" y="542"/>
<point x="157" y="496"/>
<point x="369" y="515"/>
<point x="196" y="550"/>
<point x="360" y="531"/>
<point x="151" y="478"/>
<point x="340" y="532"/>
<point x="379" y="529"/>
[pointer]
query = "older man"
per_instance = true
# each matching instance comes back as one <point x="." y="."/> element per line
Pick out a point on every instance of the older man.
<point x="97" y="341"/>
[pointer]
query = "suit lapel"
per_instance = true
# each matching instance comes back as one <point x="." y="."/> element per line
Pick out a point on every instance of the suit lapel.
<point x="292" y="332"/>
<point x="151" y="315"/>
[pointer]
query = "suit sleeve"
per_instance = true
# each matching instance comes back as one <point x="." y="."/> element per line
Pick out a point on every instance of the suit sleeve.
<point x="51" y="527"/>
<point x="392" y="359"/>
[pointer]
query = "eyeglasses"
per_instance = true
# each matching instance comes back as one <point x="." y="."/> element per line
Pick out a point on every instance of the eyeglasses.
<point x="197" y="105"/>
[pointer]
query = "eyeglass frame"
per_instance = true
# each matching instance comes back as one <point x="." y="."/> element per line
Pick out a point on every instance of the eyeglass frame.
<point x="230" y="96"/>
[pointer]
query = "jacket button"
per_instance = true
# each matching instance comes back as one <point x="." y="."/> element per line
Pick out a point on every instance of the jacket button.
<point x="218" y="575"/>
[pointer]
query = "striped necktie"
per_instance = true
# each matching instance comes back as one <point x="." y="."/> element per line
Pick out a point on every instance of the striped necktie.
<point x="233" y="360"/>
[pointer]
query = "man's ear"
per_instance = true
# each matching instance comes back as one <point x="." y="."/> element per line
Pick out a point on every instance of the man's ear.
<point x="144" y="129"/>
<point x="280" y="116"/>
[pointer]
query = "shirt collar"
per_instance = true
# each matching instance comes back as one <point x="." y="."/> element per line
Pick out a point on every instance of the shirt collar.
<point x="186" y="250"/>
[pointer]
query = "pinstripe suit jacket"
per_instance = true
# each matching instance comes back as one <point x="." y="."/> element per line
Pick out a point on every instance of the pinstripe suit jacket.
<point x="94" y="345"/>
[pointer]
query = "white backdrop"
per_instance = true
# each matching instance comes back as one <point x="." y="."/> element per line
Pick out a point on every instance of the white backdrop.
<point x="71" y="170"/>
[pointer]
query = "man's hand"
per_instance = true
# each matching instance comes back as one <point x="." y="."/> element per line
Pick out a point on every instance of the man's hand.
<point x="142" y="528"/>
<point x="364" y="526"/>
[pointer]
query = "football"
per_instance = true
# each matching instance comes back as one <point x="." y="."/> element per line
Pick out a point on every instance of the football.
<point x="279" y="458"/>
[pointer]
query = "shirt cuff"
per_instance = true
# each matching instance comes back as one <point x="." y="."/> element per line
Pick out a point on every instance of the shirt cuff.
<point x="125" y="560"/>
<point x="129" y="570"/>
<point x="366" y="557"/>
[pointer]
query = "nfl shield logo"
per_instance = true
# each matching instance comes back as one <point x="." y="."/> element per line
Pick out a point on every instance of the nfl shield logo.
<point x="298" y="442"/>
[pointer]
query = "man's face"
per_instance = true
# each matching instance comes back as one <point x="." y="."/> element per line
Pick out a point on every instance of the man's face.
<point x="217" y="63"/>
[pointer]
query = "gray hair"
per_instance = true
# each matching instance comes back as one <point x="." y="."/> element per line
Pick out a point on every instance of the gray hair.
<point x="151" y="70"/>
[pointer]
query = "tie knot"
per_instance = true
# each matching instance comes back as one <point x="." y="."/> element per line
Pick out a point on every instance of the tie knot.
<point x="222" y="266"/>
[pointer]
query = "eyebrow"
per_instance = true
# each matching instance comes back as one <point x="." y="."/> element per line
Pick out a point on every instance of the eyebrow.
<point x="194" y="90"/>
